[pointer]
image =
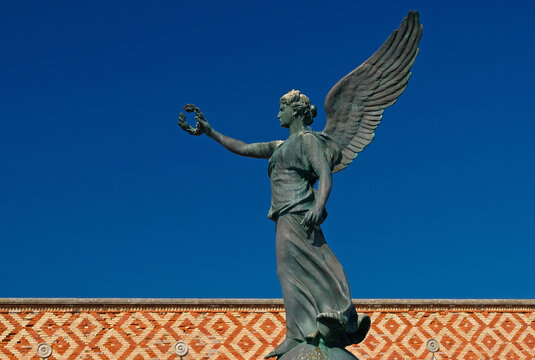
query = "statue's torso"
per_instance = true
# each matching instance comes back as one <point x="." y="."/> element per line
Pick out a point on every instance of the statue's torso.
<point x="292" y="176"/>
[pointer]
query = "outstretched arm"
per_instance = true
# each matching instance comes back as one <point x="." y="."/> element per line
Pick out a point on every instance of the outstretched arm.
<point x="256" y="150"/>
<point x="262" y="150"/>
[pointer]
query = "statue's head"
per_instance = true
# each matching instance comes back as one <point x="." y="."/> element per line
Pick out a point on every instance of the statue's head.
<point x="300" y="107"/>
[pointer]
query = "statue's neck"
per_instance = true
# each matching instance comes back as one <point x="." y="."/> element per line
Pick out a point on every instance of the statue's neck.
<point x="297" y="127"/>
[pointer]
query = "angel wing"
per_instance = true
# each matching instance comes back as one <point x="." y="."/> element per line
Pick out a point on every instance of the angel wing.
<point x="355" y="105"/>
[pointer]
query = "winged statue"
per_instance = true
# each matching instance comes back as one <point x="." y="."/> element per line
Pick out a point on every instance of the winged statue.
<point x="321" y="319"/>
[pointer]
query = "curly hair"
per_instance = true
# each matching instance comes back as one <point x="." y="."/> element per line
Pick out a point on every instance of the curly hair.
<point x="300" y="103"/>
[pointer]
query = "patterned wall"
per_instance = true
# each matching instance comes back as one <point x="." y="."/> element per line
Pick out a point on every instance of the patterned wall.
<point x="249" y="329"/>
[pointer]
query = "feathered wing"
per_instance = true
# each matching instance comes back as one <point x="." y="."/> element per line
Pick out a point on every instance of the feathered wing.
<point x="355" y="105"/>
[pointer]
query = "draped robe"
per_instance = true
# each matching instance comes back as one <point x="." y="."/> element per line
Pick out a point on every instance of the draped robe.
<point x="312" y="279"/>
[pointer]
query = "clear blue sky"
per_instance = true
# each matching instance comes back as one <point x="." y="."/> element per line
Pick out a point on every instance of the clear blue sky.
<point x="102" y="195"/>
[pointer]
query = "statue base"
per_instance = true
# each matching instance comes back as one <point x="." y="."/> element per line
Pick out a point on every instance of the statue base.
<point x="305" y="351"/>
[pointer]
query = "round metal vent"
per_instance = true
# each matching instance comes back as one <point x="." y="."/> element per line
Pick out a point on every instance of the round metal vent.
<point x="44" y="350"/>
<point x="432" y="345"/>
<point x="181" y="348"/>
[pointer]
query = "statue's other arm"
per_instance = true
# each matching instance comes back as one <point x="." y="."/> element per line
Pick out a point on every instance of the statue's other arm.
<point x="321" y="168"/>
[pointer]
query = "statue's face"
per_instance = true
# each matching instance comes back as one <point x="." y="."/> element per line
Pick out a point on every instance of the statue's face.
<point x="286" y="115"/>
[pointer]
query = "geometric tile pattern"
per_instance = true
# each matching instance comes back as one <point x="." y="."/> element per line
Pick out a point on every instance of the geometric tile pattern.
<point x="249" y="330"/>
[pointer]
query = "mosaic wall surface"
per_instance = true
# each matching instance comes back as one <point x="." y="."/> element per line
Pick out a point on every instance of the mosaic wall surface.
<point x="251" y="331"/>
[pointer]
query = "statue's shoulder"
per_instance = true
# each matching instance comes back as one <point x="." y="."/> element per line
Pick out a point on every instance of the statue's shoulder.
<point x="310" y="139"/>
<point x="320" y="141"/>
<point x="302" y="138"/>
<point x="309" y="135"/>
<point x="315" y="137"/>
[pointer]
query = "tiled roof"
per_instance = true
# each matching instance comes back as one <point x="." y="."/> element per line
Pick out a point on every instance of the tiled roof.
<point x="249" y="328"/>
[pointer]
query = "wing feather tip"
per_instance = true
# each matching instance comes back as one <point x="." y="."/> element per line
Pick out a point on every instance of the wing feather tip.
<point x="403" y="42"/>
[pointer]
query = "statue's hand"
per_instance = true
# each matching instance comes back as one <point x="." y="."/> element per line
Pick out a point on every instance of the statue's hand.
<point x="205" y="126"/>
<point x="202" y="125"/>
<point x="313" y="217"/>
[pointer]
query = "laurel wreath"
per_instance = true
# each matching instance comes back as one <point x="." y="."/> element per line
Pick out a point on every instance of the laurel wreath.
<point x="197" y="130"/>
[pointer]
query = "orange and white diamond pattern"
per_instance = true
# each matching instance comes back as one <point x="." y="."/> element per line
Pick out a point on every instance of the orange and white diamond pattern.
<point x="235" y="334"/>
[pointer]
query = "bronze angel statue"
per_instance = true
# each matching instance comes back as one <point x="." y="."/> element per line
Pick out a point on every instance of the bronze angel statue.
<point x="321" y="319"/>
